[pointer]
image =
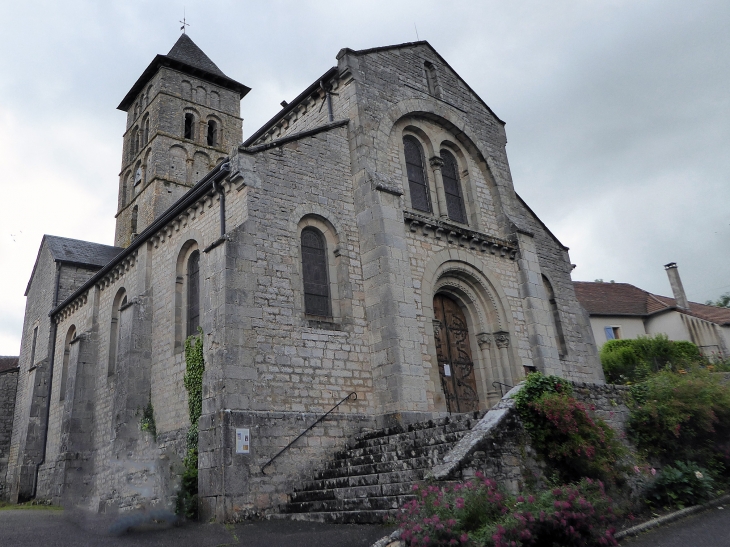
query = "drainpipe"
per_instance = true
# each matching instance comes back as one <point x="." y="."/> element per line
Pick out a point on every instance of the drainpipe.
<point x="50" y="384"/>
<point x="328" y="97"/>
<point x="218" y="187"/>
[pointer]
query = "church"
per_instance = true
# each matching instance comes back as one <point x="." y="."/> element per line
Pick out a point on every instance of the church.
<point x="364" y="252"/>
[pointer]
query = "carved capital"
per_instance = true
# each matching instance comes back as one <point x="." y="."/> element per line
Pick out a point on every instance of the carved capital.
<point x="436" y="162"/>
<point x="484" y="340"/>
<point x="501" y="339"/>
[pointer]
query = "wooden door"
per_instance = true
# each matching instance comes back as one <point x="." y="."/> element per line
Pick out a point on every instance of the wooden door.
<point x="456" y="367"/>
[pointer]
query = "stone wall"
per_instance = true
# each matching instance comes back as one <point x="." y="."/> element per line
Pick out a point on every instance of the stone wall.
<point x="8" y="390"/>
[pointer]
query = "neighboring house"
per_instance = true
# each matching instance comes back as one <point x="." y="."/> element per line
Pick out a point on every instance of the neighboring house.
<point x="620" y="310"/>
<point x="8" y="388"/>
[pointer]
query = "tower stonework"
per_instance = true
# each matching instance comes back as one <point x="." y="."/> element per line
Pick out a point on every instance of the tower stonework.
<point x="183" y="117"/>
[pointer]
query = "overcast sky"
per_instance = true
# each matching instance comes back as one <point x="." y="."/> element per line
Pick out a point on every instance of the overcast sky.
<point x="618" y="113"/>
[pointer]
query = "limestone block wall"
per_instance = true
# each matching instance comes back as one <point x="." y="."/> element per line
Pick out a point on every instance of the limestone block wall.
<point x="8" y="390"/>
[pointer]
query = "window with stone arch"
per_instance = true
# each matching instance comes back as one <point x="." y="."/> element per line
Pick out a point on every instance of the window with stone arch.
<point x="187" y="293"/>
<point x="557" y="324"/>
<point x="70" y="336"/>
<point x="189" y="126"/>
<point x="212" y="137"/>
<point x="315" y="276"/>
<point x="452" y="187"/>
<point x="146" y="130"/>
<point x="323" y="271"/>
<point x="416" y="172"/>
<point x="115" y="329"/>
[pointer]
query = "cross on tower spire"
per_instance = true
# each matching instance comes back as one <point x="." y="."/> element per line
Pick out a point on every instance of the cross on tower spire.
<point x="184" y="24"/>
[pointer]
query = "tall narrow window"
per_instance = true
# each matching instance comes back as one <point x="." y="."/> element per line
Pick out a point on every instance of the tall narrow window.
<point x="314" y="270"/>
<point x="146" y="130"/>
<point x="559" y="337"/>
<point x="32" y="347"/>
<point x="417" y="182"/>
<point x="115" y="330"/>
<point x="193" y="310"/>
<point x="212" y="133"/>
<point x="133" y="223"/>
<point x="66" y="358"/>
<point x="431" y="79"/>
<point x="452" y="187"/>
<point x="189" y="132"/>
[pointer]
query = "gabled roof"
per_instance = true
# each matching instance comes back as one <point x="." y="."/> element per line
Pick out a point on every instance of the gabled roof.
<point x="8" y="363"/>
<point x="186" y="57"/>
<point x="74" y="251"/>
<point x="628" y="300"/>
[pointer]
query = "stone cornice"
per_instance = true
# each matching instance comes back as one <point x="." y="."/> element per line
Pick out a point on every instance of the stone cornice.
<point x="460" y="236"/>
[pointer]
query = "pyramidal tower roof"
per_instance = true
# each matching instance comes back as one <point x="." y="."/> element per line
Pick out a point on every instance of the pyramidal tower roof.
<point x="186" y="57"/>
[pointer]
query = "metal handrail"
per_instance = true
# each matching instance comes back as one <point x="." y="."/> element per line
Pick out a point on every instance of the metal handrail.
<point x="352" y="395"/>
<point x="500" y="387"/>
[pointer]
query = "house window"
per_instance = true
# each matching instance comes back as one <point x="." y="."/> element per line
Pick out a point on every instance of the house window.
<point x="452" y="187"/>
<point x="189" y="132"/>
<point x="212" y="133"/>
<point x="417" y="181"/>
<point x="314" y="269"/>
<point x="193" y="311"/>
<point x="612" y="333"/>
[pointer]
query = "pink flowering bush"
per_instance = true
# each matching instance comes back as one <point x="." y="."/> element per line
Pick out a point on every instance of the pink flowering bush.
<point x="477" y="513"/>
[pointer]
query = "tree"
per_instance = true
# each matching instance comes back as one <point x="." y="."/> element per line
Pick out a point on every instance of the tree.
<point x="722" y="302"/>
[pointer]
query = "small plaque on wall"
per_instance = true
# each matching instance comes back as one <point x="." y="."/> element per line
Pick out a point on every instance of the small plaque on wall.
<point x="243" y="441"/>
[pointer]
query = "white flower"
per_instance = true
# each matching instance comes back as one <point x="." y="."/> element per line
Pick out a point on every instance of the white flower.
<point x="698" y="474"/>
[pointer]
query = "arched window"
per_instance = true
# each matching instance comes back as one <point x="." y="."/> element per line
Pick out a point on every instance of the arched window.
<point x="417" y="181"/>
<point x="314" y="273"/>
<point x="134" y="147"/>
<point x="193" y="311"/>
<point x="559" y="336"/>
<point x="146" y="131"/>
<point x="189" y="132"/>
<point x="452" y="187"/>
<point x="70" y="335"/>
<point x="115" y="330"/>
<point x="133" y="222"/>
<point x="212" y="133"/>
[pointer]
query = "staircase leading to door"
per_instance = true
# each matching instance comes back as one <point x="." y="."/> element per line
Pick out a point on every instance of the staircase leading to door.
<point x="371" y="479"/>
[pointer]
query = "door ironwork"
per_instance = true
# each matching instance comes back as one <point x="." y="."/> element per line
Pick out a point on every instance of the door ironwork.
<point x="456" y="366"/>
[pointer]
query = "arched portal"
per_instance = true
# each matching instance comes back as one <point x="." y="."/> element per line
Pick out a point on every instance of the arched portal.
<point x="453" y="350"/>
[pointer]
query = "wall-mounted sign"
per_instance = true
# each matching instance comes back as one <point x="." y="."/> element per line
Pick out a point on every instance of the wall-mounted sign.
<point x="243" y="441"/>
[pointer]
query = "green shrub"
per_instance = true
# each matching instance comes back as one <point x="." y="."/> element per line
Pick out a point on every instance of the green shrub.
<point x="573" y="442"/>
<point x="187" y="497"/>
<point x="681" y="485"/>
<point x="630" y="361"/>
<point x="147" y="422"/>
<point x="682" y="417"/>
<point x="476" y="513"/>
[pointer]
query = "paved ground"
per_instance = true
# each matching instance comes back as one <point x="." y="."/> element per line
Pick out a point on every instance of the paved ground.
<point x="708" y="529"/>
<point x="64" y="529"/>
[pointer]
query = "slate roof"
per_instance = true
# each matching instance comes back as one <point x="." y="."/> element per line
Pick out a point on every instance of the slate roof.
<point x="8" y="363"/>
<point x="628" y="300"/>
<point x="186" y="57"/>
<point x="74" y="251"/>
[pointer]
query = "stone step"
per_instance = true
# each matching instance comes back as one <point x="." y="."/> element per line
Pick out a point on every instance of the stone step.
<point x="354" y="492"/>
<point x="420" y="462"/>
<point x="409" y="450"/>
<point x="409" y="477"/>
<point x="374" y="503"/>
<point x="413" y="434"/>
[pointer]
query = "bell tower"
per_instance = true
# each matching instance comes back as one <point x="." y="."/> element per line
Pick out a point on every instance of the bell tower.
<point x="183" y="117"/>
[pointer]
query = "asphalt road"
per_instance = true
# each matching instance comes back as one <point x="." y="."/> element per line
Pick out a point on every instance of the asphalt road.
<point x="67" y="529"/>
<point x="708" y="529"/>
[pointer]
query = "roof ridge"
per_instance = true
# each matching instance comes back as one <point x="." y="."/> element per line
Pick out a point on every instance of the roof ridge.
<point x="187" y="51"/>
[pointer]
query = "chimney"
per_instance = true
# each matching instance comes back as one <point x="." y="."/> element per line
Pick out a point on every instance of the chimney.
<point x="676" y="283"/>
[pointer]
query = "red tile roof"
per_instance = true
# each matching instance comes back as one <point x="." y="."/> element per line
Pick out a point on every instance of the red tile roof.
<point x="626" y="299"/>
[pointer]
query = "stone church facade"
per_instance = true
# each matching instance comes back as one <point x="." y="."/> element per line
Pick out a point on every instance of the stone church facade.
<point x="366" y="240"/>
